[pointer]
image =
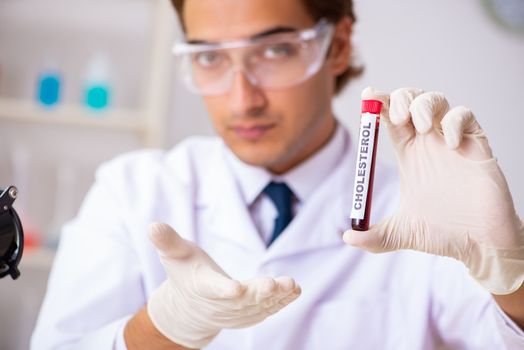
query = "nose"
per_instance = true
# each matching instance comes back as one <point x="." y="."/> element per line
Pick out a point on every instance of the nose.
<point x="246" y="98"/>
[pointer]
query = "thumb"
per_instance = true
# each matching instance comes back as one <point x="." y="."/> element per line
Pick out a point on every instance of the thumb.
<point x="370" y="93"/>
<point x="168" y="242"/>
<point x="374" y="240"/>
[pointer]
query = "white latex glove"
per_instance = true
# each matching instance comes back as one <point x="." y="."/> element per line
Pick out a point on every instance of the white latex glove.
<point x="454" y="198"/>
<point x="198" y="298"/>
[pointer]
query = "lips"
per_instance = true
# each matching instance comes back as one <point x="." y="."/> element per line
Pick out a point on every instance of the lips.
<point x="252" y="132"/>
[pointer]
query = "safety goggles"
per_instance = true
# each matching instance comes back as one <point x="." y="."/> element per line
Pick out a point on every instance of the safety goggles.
<point x="11" y="234"/>
<point x="273" y="61"/>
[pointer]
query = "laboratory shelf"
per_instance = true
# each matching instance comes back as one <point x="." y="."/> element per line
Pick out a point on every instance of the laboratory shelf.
<point x="52" y="153"/>
<point x="135" y="37"/>
<point x="31" y="112"/>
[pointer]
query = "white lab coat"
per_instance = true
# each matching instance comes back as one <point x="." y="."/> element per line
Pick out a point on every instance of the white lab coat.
<point x="106" y="268"/>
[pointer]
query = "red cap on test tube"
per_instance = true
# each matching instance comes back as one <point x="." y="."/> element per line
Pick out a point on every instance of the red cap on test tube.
<point x="371" y="106"/>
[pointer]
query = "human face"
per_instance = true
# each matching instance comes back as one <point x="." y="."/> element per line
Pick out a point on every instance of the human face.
<point x="275" y="129"/>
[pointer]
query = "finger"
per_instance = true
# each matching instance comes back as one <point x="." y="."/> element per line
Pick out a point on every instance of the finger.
<point x="285" y="284"/>
<point x="259" y="289"/>
<point x="455" y="123"/>
<point x="400" y="127"/>
<point x="364" y="240"/>
<point x="376" y="240"/>
<point x="264" y="287"/>
<point x="168" y="242"/>
<point x="269" y="305"/>
<point x="277" y="304"/>
<point x="255" y="314"/>
<point x="399" y="104"/>
<point x="212" y="284"/>
<point x="460" y="122"/>
<point x="284" y="301"/>
<point x="295" y="293"/>
<point x="284" y="294"/>
<point x="286" y="290"/>
<point x="427" y="110"/>
<point x="370" y="93"/>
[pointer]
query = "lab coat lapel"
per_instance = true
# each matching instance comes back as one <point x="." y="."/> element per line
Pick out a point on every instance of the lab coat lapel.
<point x="229" y="216"/>
<point x="320" y="223"/>
<point x="323" y="218"/>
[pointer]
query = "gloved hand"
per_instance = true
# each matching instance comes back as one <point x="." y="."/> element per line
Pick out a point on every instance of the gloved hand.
<point x="454" y="198"/>
<point x="198" y="299"/>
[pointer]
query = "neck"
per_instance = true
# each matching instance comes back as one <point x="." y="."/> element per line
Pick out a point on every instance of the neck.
<point x="309" y="149"/>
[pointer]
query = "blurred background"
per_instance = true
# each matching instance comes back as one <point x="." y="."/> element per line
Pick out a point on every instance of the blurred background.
<point x="82" y="81"/>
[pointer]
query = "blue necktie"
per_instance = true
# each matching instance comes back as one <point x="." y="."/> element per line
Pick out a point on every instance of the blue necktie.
<point x="282" y="198"/>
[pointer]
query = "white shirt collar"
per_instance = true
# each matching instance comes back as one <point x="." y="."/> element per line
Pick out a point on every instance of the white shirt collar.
<point x="302" y="179"/>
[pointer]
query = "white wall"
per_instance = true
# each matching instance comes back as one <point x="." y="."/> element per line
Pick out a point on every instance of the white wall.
<point x="447" y="45"/>
<point x="454" y="47"/>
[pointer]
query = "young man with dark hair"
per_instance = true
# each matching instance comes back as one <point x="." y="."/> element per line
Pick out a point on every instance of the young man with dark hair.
<point x="258" y="259"/>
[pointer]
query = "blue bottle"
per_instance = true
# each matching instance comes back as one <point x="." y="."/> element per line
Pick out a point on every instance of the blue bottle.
<point x="49" y="88"/>
<point x="97" y="91"/>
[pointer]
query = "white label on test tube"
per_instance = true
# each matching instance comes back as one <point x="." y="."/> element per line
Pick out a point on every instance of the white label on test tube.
<point x="366" y="143"/>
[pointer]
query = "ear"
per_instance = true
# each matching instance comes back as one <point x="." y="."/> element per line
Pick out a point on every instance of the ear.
<point x="340" y="51"/>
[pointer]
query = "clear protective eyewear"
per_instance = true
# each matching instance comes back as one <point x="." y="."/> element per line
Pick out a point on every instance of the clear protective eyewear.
<point x="274" y="61"/>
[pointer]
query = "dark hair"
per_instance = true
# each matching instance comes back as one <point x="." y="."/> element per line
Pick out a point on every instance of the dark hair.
<point x="333" y="11"/>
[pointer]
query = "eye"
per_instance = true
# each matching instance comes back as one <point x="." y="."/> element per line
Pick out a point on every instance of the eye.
<point x="209" y="59"/>
<point x="282" y="50"/>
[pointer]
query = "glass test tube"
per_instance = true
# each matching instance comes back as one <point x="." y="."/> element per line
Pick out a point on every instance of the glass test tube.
<point x="365" y="164"/>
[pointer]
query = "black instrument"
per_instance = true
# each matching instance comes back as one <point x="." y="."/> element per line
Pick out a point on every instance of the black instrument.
<point x="11" y="234"/>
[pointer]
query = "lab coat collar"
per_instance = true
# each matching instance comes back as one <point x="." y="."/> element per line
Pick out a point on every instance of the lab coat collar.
<point x="325" y="210"/>
<point x="250" y="179"/>
<point x="229" y="217"/>
<point x="324" y="217"/>
<point x="302" y="180"/>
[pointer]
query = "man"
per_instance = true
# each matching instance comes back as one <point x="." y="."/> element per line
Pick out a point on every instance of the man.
<point x="268" y="71"/>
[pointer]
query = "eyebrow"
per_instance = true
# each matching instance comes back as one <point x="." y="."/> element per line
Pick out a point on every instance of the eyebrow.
<point x="267" y="32"/>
